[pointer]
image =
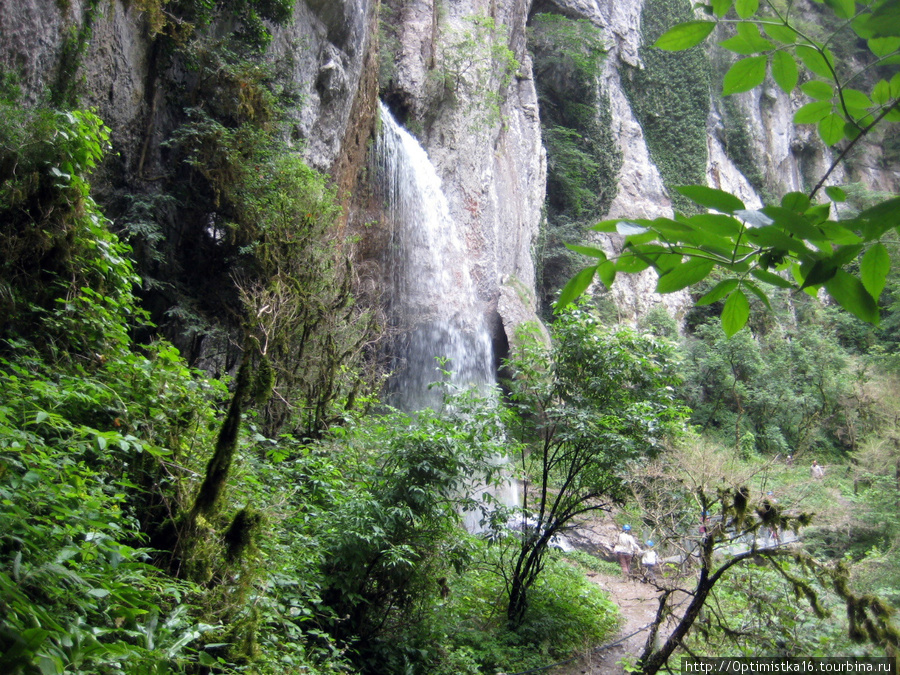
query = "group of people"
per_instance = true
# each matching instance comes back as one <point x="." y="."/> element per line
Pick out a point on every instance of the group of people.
<point x="627" y="547"/>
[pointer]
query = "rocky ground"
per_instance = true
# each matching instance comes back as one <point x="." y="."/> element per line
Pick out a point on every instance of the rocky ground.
<point x="636" y="599"/>
<point x="637" y="604"/>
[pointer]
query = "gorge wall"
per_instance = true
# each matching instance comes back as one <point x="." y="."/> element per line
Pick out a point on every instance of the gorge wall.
<point x="461" y="76"/>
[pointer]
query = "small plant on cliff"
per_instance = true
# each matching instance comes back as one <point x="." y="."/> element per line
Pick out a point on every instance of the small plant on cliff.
<point x="476" y="66"/>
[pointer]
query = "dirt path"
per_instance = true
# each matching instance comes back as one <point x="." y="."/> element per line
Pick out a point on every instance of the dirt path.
<point x="637" y="604"/>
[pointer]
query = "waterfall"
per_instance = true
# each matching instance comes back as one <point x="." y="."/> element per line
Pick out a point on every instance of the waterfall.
<point x="433" y="305"/>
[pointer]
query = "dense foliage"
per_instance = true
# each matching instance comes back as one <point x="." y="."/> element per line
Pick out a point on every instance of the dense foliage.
<point x="670" y="96"/>
<point x="154" y="519"/>
<point x="146" y="523"/>
<point x="586" y="409"/>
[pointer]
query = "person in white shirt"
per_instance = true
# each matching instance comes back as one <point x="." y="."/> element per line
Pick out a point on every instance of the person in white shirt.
<point x="626" y="547"/>
<point x="817" y="470"/>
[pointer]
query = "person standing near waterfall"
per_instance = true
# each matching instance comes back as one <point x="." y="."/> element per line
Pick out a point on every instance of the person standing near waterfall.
<point x="626" y="547"/>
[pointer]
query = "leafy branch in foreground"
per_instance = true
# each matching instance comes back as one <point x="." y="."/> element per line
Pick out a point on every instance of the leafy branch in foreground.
<point x="796" y="243"/>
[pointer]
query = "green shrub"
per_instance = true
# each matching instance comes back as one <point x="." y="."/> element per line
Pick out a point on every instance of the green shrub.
<point x="567" y="614"/>
<point x="76" y="591"/>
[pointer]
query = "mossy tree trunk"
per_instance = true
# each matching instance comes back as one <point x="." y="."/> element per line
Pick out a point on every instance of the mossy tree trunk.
<point x="219" y="465"/>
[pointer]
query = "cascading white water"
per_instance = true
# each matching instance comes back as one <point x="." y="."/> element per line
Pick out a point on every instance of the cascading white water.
<point x="433" y="302"/>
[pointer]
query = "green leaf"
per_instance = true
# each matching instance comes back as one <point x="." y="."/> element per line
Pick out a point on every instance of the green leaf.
<point x="735" y="313"/>
<point x="685" y="35"/>
<point x="812" y="113"/>
<point x="41" y="416"/>
<point x="819" y="213"/>
<point x="758" y="292"/>
<point x="665" y="261"/>
<point x="683" y="275"/>
<point x="883" y="22"/>
<point x="821" y="63"/>
<point x="883" y="46"/>
<point x="845" y="254"/>
<point x="881" y="92"/>
<point x="874" y="268"/>
<point x="606" y="225"/>
<point x="781" y="32"/>
<point x="845" y="9"/>
<point x="721" y="7"/>
<point x="719" y="291"/>
<point x="837" y="232"/>
<point x="773" y="237"/>
<point x="51" y="664"/>
<point x="850" y="294"/>
<point x="817" y="89"/>
<point x="748" y="40"/>
<point x="631" y="262"/>
<point x="746" y="8"/>
<point x="877" y="220"/>
<point x="895" y="86"/>
<point x="797" y="273"/>
<point x="860" y="26"/>
<point x="771" y="278"/>
<point x="792" y="223"/>
<point x="831" y="129"/>
<point x="744" y="75"/>
<point x="817" y="273"/>
<point x="589" y="251"/>
<point x="784" y="71"/>
<point x="835" y="193"/>
<point x="711" y="198"/>
<point x="795" y="201"/>
<point x="607" y="273"/>
<point x="853" y="98"/>
<point x="576" y="286"/>
<point x="717" y="224"/>
<point x="206" y="659"/>
<point x="739" y="45"/>
<point x="851" y="130"/>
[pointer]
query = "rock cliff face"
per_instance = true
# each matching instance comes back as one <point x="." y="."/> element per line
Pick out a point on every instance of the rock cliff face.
<point x="459" y="76"/>
<point x="453" y="81"/>
<point x="325" y="48"/>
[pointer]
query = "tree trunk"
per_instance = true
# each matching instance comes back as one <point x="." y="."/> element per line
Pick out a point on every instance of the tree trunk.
<point x="220" y="463"/>
<point x="656" y="660"/>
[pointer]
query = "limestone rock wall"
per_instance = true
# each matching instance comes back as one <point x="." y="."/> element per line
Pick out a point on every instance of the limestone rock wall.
<point x="325" y="51"/>
<point x="478" y="119"/>
<point x="445" y="70"/>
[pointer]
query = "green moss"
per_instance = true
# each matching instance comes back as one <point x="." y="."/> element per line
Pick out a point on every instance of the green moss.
<point x="670" y="97"/>
<point x="64" y="92"/>
<point x="583" y="159"/>
<point x="738" y="144"/>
